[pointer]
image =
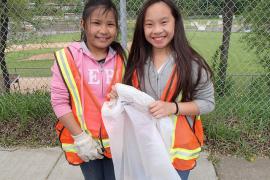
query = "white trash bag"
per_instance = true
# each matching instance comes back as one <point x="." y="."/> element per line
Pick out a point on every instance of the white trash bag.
<point x="139" y="143"/>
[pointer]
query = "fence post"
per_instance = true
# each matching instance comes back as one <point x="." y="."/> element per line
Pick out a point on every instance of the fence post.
<point x="123" y="23"/>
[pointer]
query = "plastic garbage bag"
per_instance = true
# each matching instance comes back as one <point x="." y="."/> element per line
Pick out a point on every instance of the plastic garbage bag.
<point x="139" y="143"/>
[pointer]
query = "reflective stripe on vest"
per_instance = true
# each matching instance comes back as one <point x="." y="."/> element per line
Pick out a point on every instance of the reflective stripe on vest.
<point x="184" y="153"/>
<point x="69" y="148"/>
<point x="72" y="148"/>
<point x="70" y="82"/>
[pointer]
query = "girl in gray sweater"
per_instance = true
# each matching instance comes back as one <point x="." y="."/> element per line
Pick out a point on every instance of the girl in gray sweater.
<point x="161" y="51"/>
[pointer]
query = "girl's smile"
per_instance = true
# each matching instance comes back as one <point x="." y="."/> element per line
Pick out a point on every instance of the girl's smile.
<point x="158" y="39"/>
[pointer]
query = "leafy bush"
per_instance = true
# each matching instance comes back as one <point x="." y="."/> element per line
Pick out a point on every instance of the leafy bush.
<point x="26" y="119"/>
<point x="258" y="19"/>
<point x="244" y="128"/>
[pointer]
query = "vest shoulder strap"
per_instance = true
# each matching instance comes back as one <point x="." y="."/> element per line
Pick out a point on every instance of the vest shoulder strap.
<point x="66" y="66"/>
<point x="135" y="80"/>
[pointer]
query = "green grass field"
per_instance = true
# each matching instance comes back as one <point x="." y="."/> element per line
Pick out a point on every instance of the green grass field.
<point x="17" y="63"/>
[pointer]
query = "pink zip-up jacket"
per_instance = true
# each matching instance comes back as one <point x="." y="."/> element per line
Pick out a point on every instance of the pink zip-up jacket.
<point x="97" y="76"/>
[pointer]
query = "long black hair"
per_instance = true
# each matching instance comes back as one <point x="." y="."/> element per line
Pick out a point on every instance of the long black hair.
<point x="183" y="54"/>
<point x="107" y="5"/>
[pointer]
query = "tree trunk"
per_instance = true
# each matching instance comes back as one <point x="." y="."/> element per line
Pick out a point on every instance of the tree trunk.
<point x="228" y="12"/>
<point x="3" y="38"/>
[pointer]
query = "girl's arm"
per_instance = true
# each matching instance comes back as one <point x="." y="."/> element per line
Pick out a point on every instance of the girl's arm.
<point x="203" y="103"/>
<point x="88" y="148"/>
<point x="161" y="108"/>
<point x="70" y="123"/>
<point x="203" y="97"/>
<point x="204" y="94"/>
<point x="61" y="103"/>
<point x="188" y="108"/>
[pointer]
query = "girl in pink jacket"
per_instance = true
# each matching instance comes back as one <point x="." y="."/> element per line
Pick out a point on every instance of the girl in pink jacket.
<point x="95" y="59"/>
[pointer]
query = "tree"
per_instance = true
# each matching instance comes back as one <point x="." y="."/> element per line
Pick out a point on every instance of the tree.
<point x="3" y="38"/>
<point x="228" y="12"/>
<point x="257" y="19"/>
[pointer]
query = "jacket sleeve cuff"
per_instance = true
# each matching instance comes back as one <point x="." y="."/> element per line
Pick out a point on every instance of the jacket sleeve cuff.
<point x="204" y="107"/>
<point x="61" y="111"/>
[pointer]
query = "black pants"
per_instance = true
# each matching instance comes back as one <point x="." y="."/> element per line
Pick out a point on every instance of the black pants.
<point x="100" y="169"/>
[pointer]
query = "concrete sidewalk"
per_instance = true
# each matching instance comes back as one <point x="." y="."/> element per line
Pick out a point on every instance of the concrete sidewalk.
<point x="232" y="168"/>
<point x="50" y="164"/>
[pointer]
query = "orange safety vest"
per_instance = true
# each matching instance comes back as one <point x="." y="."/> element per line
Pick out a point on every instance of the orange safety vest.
<point x="89" y="119"/>
<point x="186" y="140"/>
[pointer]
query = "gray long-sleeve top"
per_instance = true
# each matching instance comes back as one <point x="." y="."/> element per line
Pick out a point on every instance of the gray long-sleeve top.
<point x="155" y="83"/>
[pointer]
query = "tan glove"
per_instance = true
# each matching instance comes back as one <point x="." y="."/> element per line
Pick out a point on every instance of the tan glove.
<point x="88" y="148"/>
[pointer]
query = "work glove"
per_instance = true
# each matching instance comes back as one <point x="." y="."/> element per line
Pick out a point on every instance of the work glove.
<point x="88" y="148"/>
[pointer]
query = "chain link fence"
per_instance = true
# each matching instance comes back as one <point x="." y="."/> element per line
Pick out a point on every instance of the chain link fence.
<point x="232" y="35"/>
